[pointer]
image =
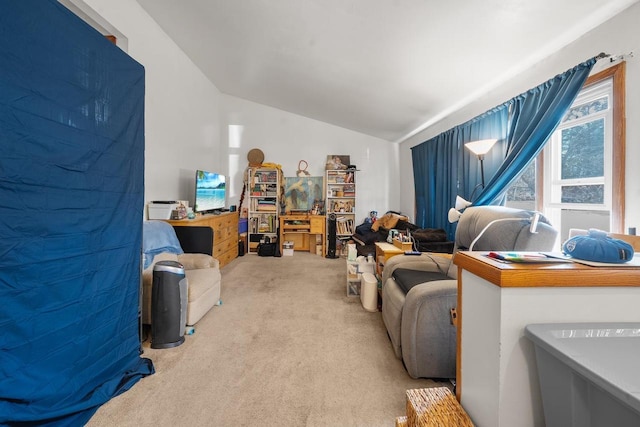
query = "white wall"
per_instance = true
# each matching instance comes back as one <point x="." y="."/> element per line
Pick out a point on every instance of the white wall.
<point x="620" y="35"/>
<point x="182" y="128"/>
<point x="188" y="121"/>
<point x="286" y="138"/>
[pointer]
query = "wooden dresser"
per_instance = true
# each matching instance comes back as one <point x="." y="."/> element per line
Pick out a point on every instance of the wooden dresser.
<point x="225" y="233"/>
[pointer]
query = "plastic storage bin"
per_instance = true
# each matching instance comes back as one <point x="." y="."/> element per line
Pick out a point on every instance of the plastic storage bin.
<point x="588" y="373"/>
<point x="168" y="304"/>
<point x="369" y="292"/>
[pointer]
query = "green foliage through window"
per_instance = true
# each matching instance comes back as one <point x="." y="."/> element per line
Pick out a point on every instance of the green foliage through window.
<point x="582" y="110"/>
<point x="523" y="189"/>
<point x="593" y="194"/>
<point x="583" y="150"/>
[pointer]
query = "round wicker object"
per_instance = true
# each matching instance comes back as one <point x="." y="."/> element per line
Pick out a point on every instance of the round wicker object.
<point x="435" y="407"/>
<point x="255" y="156"/>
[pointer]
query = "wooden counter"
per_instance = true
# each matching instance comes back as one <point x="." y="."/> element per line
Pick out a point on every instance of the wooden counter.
<point x="497" y="379"/>
<point x="515" y="275"/>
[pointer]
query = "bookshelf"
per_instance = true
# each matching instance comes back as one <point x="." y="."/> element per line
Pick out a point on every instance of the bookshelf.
<point x="340" y="189"/>
<point x="263" y="188"/>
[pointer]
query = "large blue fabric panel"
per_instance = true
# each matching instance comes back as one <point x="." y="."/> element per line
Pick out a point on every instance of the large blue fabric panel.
<point x="71" y="203"/>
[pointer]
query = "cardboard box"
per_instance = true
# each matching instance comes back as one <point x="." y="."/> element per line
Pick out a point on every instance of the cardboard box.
<point x="287" y="248"/>
<point x="405" y="246"/>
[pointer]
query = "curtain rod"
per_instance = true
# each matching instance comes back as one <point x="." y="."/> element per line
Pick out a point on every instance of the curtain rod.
<point x="614" y="58"/>
<point x="451" y="110"/>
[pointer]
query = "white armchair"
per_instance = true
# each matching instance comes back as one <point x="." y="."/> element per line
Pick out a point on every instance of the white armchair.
<point x="201" y="270"/>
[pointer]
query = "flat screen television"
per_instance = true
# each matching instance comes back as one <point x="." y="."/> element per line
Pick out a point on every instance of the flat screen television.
<point x="211" y="192"/>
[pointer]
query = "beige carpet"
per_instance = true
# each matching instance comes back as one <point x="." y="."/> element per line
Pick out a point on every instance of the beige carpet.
<point x="286" y="348"/>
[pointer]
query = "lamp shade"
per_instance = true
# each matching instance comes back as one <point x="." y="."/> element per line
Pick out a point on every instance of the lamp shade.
<point x="461" y="203"/>
<point x="454" y="215"/>
<point x="481" y="147"/>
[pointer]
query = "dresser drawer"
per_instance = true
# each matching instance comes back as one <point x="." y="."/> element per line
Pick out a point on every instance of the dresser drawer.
<point x="316" y="225"/>
<point x="224" y="234"/>
<point x="227" y="221"/>
<point x="226" y="245"/>
<point x="227" y="257"/>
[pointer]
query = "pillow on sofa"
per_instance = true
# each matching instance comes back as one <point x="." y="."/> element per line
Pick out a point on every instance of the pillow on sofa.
<point x="388" y="221"/>
<point x="430" y="235"/>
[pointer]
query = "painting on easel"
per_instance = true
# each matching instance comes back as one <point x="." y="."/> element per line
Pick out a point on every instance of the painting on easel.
<point x="303" y="194"/>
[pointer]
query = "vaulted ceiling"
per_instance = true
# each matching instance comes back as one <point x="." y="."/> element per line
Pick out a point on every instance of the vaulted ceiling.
<point x="379" y="67"/>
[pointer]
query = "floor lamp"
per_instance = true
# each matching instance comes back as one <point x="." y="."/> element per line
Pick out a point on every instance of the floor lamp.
<point x="480" y="148"/>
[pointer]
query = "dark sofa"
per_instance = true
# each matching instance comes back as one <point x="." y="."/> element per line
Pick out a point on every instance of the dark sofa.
<point x="425" y="239"/>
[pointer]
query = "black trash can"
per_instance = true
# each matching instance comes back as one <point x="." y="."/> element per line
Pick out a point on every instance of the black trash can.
<point x="168" y="304"/>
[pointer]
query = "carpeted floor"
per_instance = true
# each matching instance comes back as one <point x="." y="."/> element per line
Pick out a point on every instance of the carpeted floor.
<point x="286" y="348"/>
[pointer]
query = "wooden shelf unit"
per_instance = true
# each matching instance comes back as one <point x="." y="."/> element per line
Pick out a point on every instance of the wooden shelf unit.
<point x="340" y="190"/>
<point x="225" y="233"/>
<point x="263" y="189"/>
<point x="306" y="231"/>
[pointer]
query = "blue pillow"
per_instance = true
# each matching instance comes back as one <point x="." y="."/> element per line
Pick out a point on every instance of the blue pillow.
<point x="598" y="246"/>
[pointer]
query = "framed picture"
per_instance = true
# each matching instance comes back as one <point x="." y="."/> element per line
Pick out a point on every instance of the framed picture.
<point x="337" y="162"/>
<point x="303" y="194"/>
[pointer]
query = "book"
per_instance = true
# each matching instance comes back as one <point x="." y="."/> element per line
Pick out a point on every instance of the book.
<point x="528" y="257"/>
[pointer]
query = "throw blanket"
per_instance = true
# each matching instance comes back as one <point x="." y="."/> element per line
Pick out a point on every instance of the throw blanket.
<point x="157" y="237"/>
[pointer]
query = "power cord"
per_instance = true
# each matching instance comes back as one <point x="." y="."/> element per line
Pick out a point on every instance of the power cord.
<point x="414" y="245"/>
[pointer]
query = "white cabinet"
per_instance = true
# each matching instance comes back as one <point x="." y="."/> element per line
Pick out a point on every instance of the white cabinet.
<point x="497" y="376"/>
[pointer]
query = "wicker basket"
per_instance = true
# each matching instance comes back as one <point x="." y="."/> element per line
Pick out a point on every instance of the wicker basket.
<point x="401" y="421"/>
<point x="435" y="407"/>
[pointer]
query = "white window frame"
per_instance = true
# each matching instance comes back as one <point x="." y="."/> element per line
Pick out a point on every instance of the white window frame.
<point x="553" y="156"/>
<point x="616" y="166"/>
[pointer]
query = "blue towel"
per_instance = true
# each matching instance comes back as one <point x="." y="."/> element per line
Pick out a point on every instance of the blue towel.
<point x="157" y="237"/>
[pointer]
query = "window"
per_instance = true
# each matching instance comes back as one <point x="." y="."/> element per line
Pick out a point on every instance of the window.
<point x="578" y="156"/>
<point x="578" y="180"/>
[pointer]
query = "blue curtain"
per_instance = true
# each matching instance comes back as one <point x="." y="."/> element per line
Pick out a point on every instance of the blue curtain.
<point x="443" y="169"/>
<point x="71" y="202"/>
<point x="437" y="163"/>
<point x="535" y="116"/>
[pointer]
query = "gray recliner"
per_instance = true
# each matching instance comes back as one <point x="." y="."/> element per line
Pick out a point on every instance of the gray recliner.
<point x="419" y="291"/>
